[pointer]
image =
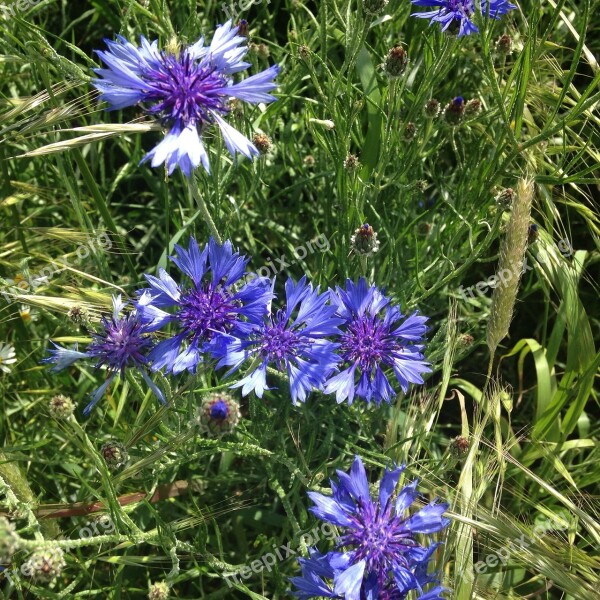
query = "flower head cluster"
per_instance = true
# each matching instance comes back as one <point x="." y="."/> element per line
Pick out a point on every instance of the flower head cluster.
<point x="292" y="340"/>
<point x="377" y="556"/>
<point x="120" y="342"/>
<point x="342" y="341"/>
<point x="186" y="90"/>
<point x="214" y="303"/>
<point x="375" y="336"/>
<point x="459" y="13"/>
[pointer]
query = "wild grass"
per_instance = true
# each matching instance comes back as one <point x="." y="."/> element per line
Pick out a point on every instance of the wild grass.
<point x="70" y="175"/>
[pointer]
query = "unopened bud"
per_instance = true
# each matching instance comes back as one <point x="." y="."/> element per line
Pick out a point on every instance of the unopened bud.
<point x="472" y="108"/>
<point x="504" y="44"/>
<point x="455" y="111"/>
<point x="159" y="591"/>
<point x="351" y="163"/>
<point x="431" y="109"/>
<point x="45" y="564"/>
<point x="61" y="407"/>
<point x="395" y="62"/>
<point x="115" y="455"/>
<point x="364" y="242"/>
<point x="374" y="7"/>
<point x="262" y="142"/>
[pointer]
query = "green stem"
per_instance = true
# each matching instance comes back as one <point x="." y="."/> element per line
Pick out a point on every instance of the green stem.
<point x="195" y="192"/>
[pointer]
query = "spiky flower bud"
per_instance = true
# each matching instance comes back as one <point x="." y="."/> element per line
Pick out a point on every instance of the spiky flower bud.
<point x="115" y="455"/>
<point x="351" y="163"/>
<point x="510" y="267"/>
<point x="262" y="142"/>
<point x="424" y="228"/>
<point x="504" y="44"/>
<point x="465" y="339"/>
<point x="44" y="564"/>
<point x="243" y="28"/>
<point x="395" y="62"/>
<point x="410" y="132"/>
<point x="472" y="108"/>
<point x="219" y="414"/>
<point x="459" y="446"/>
<point x="79" y="315"/>
<point x="431" y="109"/>
<point x="159" y="591"/>
<point x="263" y="51"/>
<point x="533" y="234"/>
<point x="364" y="241"/>
<point x="61" y="407"/>
<point x="374" y="7"/>
<point x="504" y="198"/>
<point x="9" y="540"/>
<point x="455" y="111"/>
<point x="309" y="161"/>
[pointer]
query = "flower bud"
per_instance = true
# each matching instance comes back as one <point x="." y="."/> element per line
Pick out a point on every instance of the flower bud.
<point x="465" y="339"/>
<point x="504" y="44"/>
<point x="410" y="132"/>
<point x="45" y="564"/>
<point x="159" y="591"/>
<point x="395" y="62"/>
<point x="219" y="414"/>
<point x="309" y="161"/>
<point x="533" y="234"/>
<point x="364" y="241"/>
<point x="262" y="142"/>
<point x="61" y="407"/>
<point x="115" y="455"/>
<point x="472" y="108"/>
<point x="351" y="163"/>
<point x="263" y="51"/>
<point x="504" y="198"/>
<point x="459" y="446"/>
<point x="242" y="28"/>
<point x="79" y="315"/>
<point x="374" y="7"/>
<point x="455" y="111"/>
<point x="431" y="109"/>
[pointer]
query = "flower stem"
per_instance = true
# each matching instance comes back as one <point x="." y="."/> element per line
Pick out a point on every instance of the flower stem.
<point x="195" y="192"/>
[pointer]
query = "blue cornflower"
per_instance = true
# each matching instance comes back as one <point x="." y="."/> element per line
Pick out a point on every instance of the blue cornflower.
<point x="375" y="335"/>
<point x="448" y="12"/>
<point x="377" y="556"/>
<point x="121" y="342"/>
<point x="292" y="340"/>
<point x="187" y="90"/>
<point x="215" y="303"/>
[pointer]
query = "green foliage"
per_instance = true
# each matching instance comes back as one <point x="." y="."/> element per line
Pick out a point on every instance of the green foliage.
<point x="190" y="509"/>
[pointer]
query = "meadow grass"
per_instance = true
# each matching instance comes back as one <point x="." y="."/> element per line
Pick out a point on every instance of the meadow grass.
<point x="505" y="427"/>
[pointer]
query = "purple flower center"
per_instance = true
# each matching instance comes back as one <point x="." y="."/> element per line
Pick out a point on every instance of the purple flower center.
<point x="219" y="410"/>
<point x="367" y="342"/>
<point x="121" y="344"/>
<point x="184" y="91"/>
<point x="278" y="343"/>
<point x="464" y="7"/>
<point x="378" y="538"/>
<point x="206" y="311"/>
